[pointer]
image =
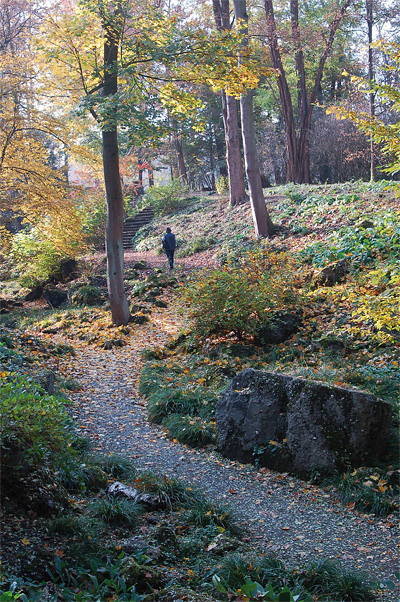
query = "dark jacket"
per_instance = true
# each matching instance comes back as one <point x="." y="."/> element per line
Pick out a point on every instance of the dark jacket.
<point x="169" y="241"/>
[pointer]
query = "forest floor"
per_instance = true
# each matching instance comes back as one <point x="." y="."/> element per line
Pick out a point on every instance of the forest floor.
<point x="102" y="368"/>
<point x="296" y="519"/>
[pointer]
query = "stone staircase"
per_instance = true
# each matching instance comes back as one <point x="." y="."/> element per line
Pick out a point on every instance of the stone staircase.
<point x="132" y="225"/>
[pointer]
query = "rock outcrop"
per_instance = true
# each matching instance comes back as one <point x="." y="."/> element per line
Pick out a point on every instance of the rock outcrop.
<point x="297" y="425"/>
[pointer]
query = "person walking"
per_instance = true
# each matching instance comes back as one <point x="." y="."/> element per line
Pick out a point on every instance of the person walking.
<point x="169" y="244"/>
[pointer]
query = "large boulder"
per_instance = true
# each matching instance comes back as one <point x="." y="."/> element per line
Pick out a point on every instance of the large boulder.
<point x="278" y="329"/>
<point x="330" y="275"/>
<point x="54" y="296"/>
<point x="68" y="270"/>
<point x="297" y="425"/>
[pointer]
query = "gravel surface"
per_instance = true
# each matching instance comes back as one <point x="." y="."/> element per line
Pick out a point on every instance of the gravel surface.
<point x="291" y="517"/>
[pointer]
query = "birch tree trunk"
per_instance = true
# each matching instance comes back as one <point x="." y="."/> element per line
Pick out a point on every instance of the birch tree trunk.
<point x="262" y="222"/>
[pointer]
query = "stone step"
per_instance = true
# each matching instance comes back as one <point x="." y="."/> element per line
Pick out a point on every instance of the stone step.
<point x="133" y="224"/>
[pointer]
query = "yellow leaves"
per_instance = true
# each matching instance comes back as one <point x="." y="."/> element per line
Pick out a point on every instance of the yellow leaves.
<point x="179" y="101"/>
<point x="25" y="541"/>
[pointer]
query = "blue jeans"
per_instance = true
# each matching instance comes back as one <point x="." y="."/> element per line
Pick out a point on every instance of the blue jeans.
<point x="170" y="255"/>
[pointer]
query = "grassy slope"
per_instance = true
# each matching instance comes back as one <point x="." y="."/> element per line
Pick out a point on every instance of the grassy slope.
<point x="84" y="547"/>
<point x="332" y="345"/>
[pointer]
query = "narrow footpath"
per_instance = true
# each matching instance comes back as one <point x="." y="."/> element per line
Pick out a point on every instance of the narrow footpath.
<point x="295" y="519"/>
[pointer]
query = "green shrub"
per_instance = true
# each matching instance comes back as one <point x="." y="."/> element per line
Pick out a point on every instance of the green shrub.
<point x="166" y="199"/>
<point x="196" y="245"/>
<point x="295" y="193"/>
<point x="175" y="493"/>
<point x="171" y="390"/>
<point x="34" y="423"/>
<point x="361" y="246"/>
<point x="115" y="465"/>
<point x="87" y="295"/>
<point x="236" y="568"/>
<point x="370" y="491"/>
<point x="240" y="298"/>
<point x="328" y="578"/>
<point x="267" y="575"/>
<point x="36" y="254"/>
<point x="171" y="401"/>
<point x="35" y="259"/>
<point x="222" y="185"/>
<point x="93" y="208"/>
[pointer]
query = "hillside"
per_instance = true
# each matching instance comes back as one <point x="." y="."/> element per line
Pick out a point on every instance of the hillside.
<point x="183" y="347"/>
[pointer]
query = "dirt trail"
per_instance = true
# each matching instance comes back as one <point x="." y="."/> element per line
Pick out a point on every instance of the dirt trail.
<point x="297" y="520"/>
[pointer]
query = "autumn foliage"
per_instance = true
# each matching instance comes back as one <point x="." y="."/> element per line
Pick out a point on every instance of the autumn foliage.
<point x="243" y="295"/>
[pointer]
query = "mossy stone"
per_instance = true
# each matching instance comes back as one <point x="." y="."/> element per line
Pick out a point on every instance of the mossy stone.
<point x="96" y="478"/>
<point x="138" y="575"/>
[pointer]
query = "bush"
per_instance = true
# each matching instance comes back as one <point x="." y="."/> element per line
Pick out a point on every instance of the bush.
<point x="370" y="491"/>
<point x="361" y="246"/>
<point x="196" y="245"/>
<point x="93" y="209"/>
<point x="36" y="254"/>
<point x="204" y="512"/>
<point x="166" y="199"/>
<point x="295" y="193"/>
<point x="170" y="390"/>
<point x="175" y="493"/>
<point x="242" y="298"/>
<point x="326" y="579"/>
<point x="237" y="567"/>
<point x="164" y="402"/>
<point x="222" y="185"/>
<point x="116" y="466"/>
<point x="34" y="423"/>
<point x="329" y="578"/>
<point x="87" y="295"/>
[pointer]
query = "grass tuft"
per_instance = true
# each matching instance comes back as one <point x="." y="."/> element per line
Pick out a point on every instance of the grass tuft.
<point x="117" y="511"/>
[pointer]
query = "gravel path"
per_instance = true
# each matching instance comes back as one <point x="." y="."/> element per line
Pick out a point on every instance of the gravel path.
<point x="297" y="520"/>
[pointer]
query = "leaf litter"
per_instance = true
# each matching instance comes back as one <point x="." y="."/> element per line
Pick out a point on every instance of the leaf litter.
<point x="295" y="519"/>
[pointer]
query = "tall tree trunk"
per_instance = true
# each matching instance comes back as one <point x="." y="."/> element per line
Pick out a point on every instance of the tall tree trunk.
<point x="298" y="146"/>
<point x="115" y="209"/>
<point x="370" y="23"/>
<point x="237" y="191"/>
<point x="262" y="222"/>
<point x="150" y="173"/>
<point x="180" y="159"/>
<point x="219" y="146"/>
<point x="212" y="159"/>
